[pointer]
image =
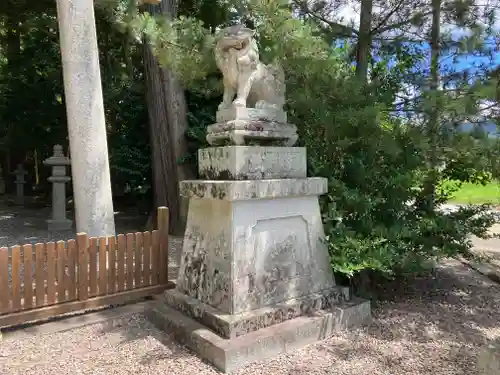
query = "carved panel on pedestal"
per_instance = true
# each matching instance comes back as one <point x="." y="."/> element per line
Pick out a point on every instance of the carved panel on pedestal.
<point x="278" y="265"/>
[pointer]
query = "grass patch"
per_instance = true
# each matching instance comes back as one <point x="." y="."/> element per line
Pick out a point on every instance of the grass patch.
<point x="477" y="194"/>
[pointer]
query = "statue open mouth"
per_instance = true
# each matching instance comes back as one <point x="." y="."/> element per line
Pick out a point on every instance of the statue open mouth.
<point x="234" y="44"/>
<point x="240" y="45"/>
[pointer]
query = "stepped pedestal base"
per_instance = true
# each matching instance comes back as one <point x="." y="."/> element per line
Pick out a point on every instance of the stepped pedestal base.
<point x="231" y="354"/>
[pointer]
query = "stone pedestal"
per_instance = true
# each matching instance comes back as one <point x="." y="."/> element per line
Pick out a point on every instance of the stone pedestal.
<point x="58" y="162"/>
<point x="241" y="126"/>
<point x="255" y="278"/>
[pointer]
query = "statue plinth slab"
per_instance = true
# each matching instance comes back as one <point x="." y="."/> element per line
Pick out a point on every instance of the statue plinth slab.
<point x="251" y="114"/>
<point x="243" y="132"/>
<point x="257" y="190"/>
<point x="252" y="163"/>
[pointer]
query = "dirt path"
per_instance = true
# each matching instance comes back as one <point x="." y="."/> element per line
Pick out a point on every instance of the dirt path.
<point x="430" y="326"/>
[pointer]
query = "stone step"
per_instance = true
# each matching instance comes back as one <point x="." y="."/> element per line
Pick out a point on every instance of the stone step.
<point x="488" y="361"/>
<point x="231" y="354"/>
<point x="229" y="325"/>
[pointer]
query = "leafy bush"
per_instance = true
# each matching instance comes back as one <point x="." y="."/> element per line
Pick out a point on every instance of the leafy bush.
<point x="372" y="162"/>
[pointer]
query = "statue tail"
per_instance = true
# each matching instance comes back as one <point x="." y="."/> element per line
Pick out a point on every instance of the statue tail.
<point x="277" y="70"/>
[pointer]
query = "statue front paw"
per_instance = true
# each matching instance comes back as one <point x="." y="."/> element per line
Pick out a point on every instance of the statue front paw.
<point x="240" y="103"/>
<point x="222" y="106"/>
<point x="262" y="104"/>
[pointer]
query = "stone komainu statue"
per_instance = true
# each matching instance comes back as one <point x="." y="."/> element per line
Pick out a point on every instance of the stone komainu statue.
<point x="255" y="84"/>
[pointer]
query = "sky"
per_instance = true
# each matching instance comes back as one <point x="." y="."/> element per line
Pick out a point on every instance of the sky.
<point x="349" y="13"/>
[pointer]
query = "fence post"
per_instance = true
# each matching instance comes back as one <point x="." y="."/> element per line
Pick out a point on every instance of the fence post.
<point x="82" y="244"/>
<point x="163" y="240"/>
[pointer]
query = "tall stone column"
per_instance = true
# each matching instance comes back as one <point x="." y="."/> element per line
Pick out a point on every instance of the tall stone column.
<point x="86" y="122"/>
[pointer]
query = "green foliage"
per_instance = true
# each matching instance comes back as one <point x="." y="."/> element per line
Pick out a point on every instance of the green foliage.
<point x="373" y="164"/>
<point x="201" y="113"/>
<point x="470" y="193"/>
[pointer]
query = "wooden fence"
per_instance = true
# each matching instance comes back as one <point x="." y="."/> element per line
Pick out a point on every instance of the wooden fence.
<point x="45" y="280"/>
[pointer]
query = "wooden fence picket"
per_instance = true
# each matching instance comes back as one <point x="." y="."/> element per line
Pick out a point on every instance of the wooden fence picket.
<point x="112" y="246"/>
<point x="53" y="278"/>
<point x="72" y="257"/>
<point x="103" y="271"/>
<point x="82" y="241"/>
<point x="28" y="275"/>
<point x="146" y="269"/>
<point x="4" y="280"/>
<point x="121" y="251"/>
<point x="61" y="271"/>
<point x="138" y="260"/>
<point x="130" y="261"/>
<point x="92" y="251"/>
<point x="155" y="257"/>
<point x="51" y="273"/>
<point x="40" y="274"/>
<point x="16" y="277"/>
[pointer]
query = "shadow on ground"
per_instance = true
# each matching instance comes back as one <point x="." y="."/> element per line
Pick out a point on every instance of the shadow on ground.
<point x="432" y="325"/>
<point x="137" y="327"/>
<point x="425" y="325"/>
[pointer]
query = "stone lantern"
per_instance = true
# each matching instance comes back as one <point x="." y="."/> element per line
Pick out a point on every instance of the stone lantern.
<point x="20" y="174"/>
<point x="58" y="162"/>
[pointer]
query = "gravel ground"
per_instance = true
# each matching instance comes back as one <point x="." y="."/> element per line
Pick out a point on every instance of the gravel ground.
<point x="19" y="226"/>
<point x="431" y="325"/>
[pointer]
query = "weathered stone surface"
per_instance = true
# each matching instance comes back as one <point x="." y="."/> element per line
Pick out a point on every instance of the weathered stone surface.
<point x="205" y="267"/>
<point x="251" y="114"/>
<point x="230" y="354"/>
<point x="242" y="132"/>
<point x="234" y="325"/>
<point x="253" y="189"/>
<point x="252" y="163"/>
<point x="244" y="255"/>
<point x="488" y="362"/>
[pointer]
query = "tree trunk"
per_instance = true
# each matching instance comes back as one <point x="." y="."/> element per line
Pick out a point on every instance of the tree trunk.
<point x="364" y="40"/>
<point x="168" y="122"/>
<point x="13" y="54"/>
<point x="433" y="111"/>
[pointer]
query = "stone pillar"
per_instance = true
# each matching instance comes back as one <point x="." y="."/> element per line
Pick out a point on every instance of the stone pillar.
<point x="86" y="122"/>
<point x="58" y="162"/>
<point x="20" y="174"/>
